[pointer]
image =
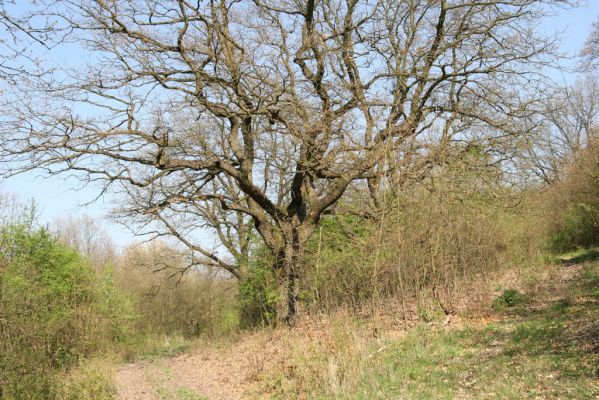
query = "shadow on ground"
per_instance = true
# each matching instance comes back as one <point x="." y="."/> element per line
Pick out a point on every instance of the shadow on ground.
<point x="583" y="256"/>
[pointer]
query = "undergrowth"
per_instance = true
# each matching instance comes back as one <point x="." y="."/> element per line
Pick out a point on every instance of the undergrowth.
<point x="542" y="349"/>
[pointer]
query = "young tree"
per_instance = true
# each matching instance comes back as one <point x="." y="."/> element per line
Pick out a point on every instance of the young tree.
<point x="213" y="113"/>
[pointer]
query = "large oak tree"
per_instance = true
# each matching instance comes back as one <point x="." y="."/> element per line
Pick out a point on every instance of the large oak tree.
<point x="223" y="112"/>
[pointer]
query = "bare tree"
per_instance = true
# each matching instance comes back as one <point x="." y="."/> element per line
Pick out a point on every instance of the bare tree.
<point x="86" y="235"/>
<point x="216" y="113"/>
<point x="567" y="120"/>
<point x="562" y="129"/>
<point x="590" y="50"/>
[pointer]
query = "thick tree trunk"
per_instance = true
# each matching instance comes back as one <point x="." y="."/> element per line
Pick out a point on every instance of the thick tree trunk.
<point x="290" y="263"/>
<point x="292" y="290"/>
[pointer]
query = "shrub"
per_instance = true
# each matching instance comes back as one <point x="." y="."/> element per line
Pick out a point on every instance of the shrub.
<point x="573" y="204"/>
<point x="423" y="245"/>
<point x="54" y="309"/>
<point x="578" y="227"/>
<point x="91" y="380"/>
<point x="258" y="295"/>
<point x="508" y="299"/>
<point x="340" y="261"/>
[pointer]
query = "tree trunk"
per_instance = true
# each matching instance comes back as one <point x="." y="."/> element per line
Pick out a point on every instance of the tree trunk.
<point x="292" y="290"/>
<point x="291" y="261"/>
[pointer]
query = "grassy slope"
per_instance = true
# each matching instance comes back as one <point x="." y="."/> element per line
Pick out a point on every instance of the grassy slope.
<point x="547" y="348"/>
<point x="539" y="353"/>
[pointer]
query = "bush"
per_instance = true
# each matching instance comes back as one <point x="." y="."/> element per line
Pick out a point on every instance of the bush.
<point x="573" y="204"/>
<point x="423" y="245"/>
<point x="258" y="295"/>
<point x="508" y="299"/>
<point x="92" y="380"/>
<point x="55" y="312"/>
<point x="340" y="261"/>
<point x="578" y="227"/>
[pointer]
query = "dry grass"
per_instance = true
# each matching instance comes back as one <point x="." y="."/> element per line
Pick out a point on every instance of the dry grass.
<point x="91" y="380"/>
<point x="172" y="300"/>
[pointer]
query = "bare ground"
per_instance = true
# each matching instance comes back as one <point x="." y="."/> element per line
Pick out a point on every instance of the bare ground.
<point x="213" y="371"/>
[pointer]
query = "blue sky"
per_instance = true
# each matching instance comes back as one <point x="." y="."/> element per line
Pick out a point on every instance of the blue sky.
<point x="56" y="197"/>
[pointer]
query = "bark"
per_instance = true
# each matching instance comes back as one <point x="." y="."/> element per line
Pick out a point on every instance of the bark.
<point x="292" y="264"/>
<point x="289" y="261"/>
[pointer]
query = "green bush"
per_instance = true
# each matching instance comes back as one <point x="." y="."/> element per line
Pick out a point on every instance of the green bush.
<point x="508" y="299"/>
<point x="579" y="228"/>
<point x="339" y="266"/>
<point x="258" y="294"/>
<point x="92" y="380"/>
<point x="573" y="204"/>
<point x="54" y="312"/>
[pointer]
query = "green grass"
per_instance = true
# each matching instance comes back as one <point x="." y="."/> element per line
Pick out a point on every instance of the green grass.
<point x="537" y="353"/>
<point x="547" y="351"/>
<point x="510" y="298"/>
<point x="578" y="256"/>
<point x="180" y="394"/>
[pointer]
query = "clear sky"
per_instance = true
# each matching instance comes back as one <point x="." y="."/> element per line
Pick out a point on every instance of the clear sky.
<point x="55" y="196"/>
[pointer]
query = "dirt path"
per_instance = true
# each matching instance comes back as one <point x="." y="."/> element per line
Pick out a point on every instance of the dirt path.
<point x="217" y="373"/>
<point x="230" y="371"/>
<point x="171" y="378"/>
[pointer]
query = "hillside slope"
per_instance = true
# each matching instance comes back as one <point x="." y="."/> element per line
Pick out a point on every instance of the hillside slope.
<point x="540" y="345"/>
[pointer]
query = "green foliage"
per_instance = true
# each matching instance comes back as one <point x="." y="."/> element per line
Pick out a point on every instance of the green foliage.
<point x="339" y="263"/>
<point x="427" y="315"/>
<point x="573" y="204"/>
<point x="573" y="257"/>
<point x="179" y="394"/>
<point x="55" y="311"/>
<point x="579" y="228"/>
<point x="91" y="380"/>
<point x="115" y="307"/>
<point x="258" y="295"/>
<point x="508" y="299"/>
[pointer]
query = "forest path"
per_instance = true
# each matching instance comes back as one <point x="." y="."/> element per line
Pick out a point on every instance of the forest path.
<point x="207" y="373"/>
